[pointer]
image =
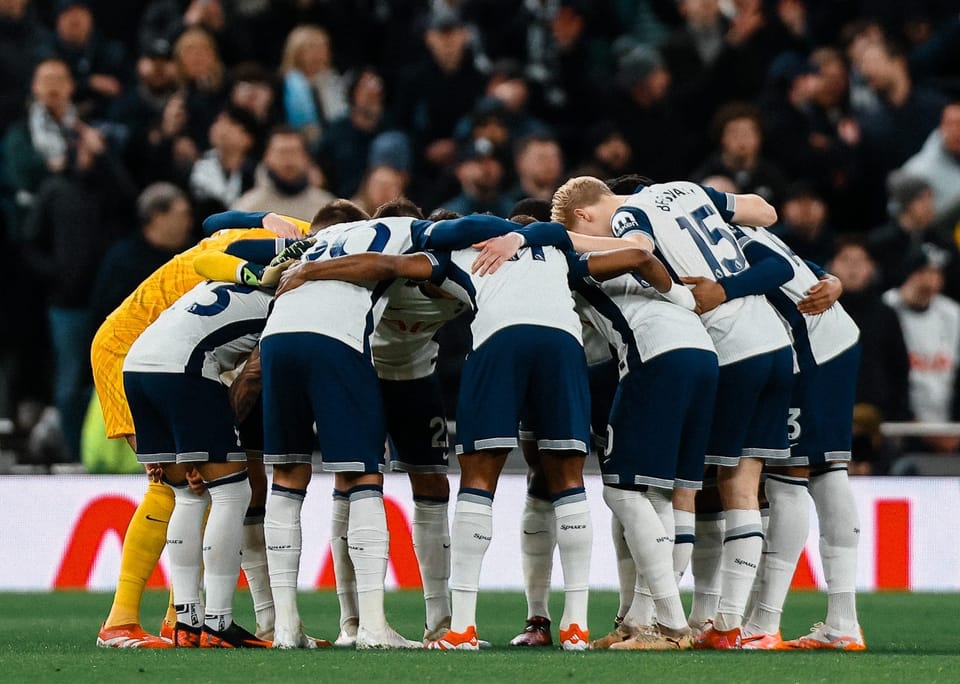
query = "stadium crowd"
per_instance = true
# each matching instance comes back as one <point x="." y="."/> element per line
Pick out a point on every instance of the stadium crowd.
<point x="845" y="115"/>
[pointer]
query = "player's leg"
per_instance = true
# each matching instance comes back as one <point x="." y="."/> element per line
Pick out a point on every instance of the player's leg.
<point x="492" y="385"/>
<point x="288" y="446"/>
<point x="538" y="537"/>
<point x="343" y="571"/>
<point x="684" y="529"/>
<point x="765" y="438"/>
<point x="558" y="400"/>
<point x="418" y="433"/>
<point x="658" y="406"/>
<point x="836" y="508"/>
<point x="253" y="554"/>
<point x="146" y="534"/>
<point x="351" y="429"/>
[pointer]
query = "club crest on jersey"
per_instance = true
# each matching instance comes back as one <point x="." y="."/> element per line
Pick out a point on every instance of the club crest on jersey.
<point x="623" y="221"/>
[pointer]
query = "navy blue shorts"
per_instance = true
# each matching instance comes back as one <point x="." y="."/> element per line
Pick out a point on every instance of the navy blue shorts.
<point x="604" y="380"/>
<point x="820" y="424"/>
<point x="250" y="428"/>
<point x="753" y="402"/>
<point x="311" y="379"/>
<point x="181" y="419"/>
<point x="416" y="424"/>
<point x="660" y="421"/>
<point x="529" y="370"/>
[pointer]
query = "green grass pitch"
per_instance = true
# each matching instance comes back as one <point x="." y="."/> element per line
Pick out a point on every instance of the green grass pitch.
<point x="50" y="638"/>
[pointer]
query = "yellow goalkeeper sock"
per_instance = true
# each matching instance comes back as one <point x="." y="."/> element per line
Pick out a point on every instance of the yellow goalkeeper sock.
<point x="142" y="545"/>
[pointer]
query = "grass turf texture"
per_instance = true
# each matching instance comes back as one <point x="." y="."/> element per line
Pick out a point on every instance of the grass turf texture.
<point x="51" y="637"/>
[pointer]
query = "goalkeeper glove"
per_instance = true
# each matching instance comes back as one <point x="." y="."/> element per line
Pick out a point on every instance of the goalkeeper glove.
<point x="293" y="251"/>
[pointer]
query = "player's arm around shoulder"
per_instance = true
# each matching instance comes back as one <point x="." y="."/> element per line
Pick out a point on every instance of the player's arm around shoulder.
<point x="363" y="268"/>
<point x="753" y="210"/>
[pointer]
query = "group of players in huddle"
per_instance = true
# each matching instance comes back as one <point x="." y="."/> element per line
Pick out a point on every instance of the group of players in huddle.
<point x="666" y="321"/>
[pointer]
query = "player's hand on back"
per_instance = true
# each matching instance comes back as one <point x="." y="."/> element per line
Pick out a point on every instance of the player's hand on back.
<point x="494" y="252"/>
<point x="821" y="296"/>
<point x="292" y="276"/>
<point x="709" y="294"/>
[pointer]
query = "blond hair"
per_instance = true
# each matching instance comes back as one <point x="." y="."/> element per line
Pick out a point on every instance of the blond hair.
<point x="299" y="38"/>
<point x="576" y="193"/>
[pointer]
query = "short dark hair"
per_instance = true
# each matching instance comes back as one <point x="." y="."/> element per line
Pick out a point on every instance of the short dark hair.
<point x="337" y="211"/>
<point x="442" y="214"/>
<point x="627" y="183"/>
<point x="531" y="206"/>
<point x="401" y="206"/>
<point x="532" y="139"/>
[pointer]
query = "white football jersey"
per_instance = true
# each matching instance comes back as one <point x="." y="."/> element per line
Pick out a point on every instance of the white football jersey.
<point x="816" y="338"/>
<point x="932" y="337"/>
<point x="595" y="345"/>
<point x="203" y="333"/>
<point x="530" y="289"/>
<point x="688" y="227"/>
<point x="403" y="345"/>
<point x="635" y="319"/>
<point x="345" y="311"/>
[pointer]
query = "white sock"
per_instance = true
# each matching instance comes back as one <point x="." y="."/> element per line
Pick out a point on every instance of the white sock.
<point x="684" y="538"/>
<point x="626" y="568"/>
<point x="538" y="536"/>
<point x="705" y="563"/>
<point x="472" y="532"/>
<point x="431" y="543"/>
<point x="839" y="537"/>
<point x="253" y="561"/>
<point x="184" y="549"/>
<point x="222" y="538"/>
<point x="742" y="547"/>
<point x="783" y="542"/>
<point x="342" y="565"/>
<point x="652" y="551"/>
<point x="641" y="612"/>
<point x="575" y="542"/>
<point x="755" y="589"/>
<point x="662" y="502"/>
<point x="283" y="536"/>
<point x="369" y="544"/>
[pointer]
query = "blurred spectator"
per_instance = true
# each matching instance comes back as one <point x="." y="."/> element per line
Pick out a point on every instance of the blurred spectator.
<point x="480" y="174"/>
<point x="938" y="163"/>
<point x="884" y="366"/>
<point x="98" y="65"/>
<point x="931" y="330"/>
<point x="800" y="144"/>
<point x="226" y="170"/>
<point x="435" y="93"/>
<point x="872" y="453"/>
<point x="283" y="180"/>
<point x="81" y="197"/>
<point x="346" y="146"/>
<point x="737" y="129"/>
<point x="381" y="184"/>
<point x="905" y="114"/>
<point x="201" y="76"/>
<point x="166" y="222"/>
<point x="140" y="108"/>
<point x="252" y="88"/>
<point x="22" y="43"/>
<point x="911" y="222"/>
<point x="539" y="166"/>
<point x="314" y="93"/>
<point x="508" y="85"/>
<point x="608" y="152"/>
<point x="654" y="122"/>
<point x="803" y="223"/>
